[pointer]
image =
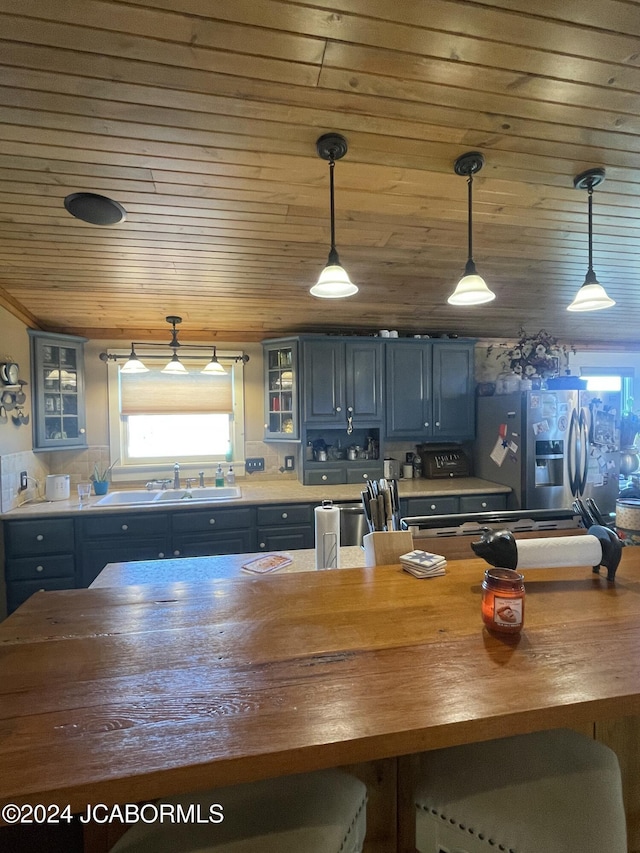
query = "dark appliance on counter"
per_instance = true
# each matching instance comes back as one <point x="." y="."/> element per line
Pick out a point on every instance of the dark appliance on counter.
<point x="550" y="447"/>
<point x="441" y="462"/>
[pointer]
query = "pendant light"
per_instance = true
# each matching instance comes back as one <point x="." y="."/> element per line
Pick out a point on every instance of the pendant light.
<point x="133" y="364"/>
<point x="174" y="365"/>
<point x="334" y="282"/>
<point x="592" y="296"/>
<point x="214" y="366"/>
<point x="472" y="288"/>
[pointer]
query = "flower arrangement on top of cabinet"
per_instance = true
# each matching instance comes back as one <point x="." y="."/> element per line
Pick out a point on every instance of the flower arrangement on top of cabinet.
<point x="533" y="356"/>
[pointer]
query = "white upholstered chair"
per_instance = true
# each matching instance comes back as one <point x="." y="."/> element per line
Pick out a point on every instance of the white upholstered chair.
<point x="321" y="812"/>
<point x="546" y="792"/>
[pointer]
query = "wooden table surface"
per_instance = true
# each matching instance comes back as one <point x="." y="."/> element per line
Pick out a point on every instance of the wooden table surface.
<point x="121" y="694"/>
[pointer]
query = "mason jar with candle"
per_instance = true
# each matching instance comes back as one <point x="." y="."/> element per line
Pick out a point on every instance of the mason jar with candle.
<point x="503" y="600"/>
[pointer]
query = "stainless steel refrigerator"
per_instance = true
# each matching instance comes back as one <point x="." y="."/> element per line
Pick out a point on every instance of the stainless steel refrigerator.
<point x="550" y="447"/>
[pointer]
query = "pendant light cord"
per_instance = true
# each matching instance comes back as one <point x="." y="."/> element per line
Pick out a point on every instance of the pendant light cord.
<point x="333" y="253"/>
<point x="469" y="215"/>
<point x="590" y="191"/>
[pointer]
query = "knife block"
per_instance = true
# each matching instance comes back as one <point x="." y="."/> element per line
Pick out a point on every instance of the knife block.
<point x="385" y="548"/>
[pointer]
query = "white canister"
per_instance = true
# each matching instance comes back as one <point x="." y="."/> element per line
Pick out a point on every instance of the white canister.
<point x="57" y="487"/>
<point x="407" y="470"/>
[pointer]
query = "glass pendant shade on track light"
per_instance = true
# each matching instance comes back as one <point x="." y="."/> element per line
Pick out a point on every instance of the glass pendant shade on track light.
<point x="133" y="364"/>
<point x="214" y="366"/>
<point x="592" y="296"/>
<point x="334" y="282"/>
<point x="472" y="288"/>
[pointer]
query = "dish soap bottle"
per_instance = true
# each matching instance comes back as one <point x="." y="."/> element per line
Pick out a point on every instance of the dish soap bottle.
<point x="219" y="476"/>
<point x="231" y="476"/>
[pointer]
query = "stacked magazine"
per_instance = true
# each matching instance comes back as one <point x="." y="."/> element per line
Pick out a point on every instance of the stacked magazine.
<point x="423" y="564"/>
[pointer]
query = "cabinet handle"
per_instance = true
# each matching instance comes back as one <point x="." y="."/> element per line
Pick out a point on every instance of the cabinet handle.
<point x="125" y="527"/>
<point x="338" y="408"/>
<point x="266" y="426"/>
<point x="437" y="423"/>
<point x="39" y="568"/>
<point x="212" y="521"/>
<point x="176" y="553"/>
<point x="82" y="430"/>
<point x="263" y="544"/>
<point x="433" y="506"/>
<point x="365" y="476"/>
<point x="426" y="423"/>
<point x="161" y="554"/>
<point x="285" y="515"/>
<point x="484" y="503"/>
<point x="39" y="537"/>
<point x="324" y="476"/>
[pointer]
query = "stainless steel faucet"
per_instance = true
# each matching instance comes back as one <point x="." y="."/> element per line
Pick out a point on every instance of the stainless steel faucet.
<point x="176" y="476"/>
<point x="201" y="475"/>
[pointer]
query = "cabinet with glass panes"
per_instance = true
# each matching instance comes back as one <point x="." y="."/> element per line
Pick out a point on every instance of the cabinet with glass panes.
<point x="281" y="390"/>
<point x="57" y="376"/>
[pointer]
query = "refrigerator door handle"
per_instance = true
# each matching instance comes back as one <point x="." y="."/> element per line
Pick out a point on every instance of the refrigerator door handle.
<point x="583" y="423"/>
<point x="571" y="453"/>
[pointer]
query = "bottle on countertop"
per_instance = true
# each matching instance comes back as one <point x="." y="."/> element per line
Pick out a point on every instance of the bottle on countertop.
<point x="231" y="476"/>
<point x="219" y="476"/>
<point x="417" y="466"/>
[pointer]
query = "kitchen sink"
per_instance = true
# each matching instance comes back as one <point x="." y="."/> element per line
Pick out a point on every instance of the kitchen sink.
<point x="141" y="497"/>
<point x="198" y="494"/>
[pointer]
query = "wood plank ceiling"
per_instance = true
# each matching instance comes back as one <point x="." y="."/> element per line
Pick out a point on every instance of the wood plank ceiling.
<point x="201" y="116"/>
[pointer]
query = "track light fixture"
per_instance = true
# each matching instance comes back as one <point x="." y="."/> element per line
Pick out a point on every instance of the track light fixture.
<point x="592" y="296"/>
<point x="133" y="364"/>
<point x="334" y="282"/>
<point x="472" y="288"/>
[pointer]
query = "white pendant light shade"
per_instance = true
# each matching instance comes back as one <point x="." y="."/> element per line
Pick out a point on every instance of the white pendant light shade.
<point x="133" y="364"/>
<point x="334" y="281"/>
<point x="472" y="288"/>
<point x="214" y="367"/>
<point x="592" y="296"/>
<point x="174" y="365"/>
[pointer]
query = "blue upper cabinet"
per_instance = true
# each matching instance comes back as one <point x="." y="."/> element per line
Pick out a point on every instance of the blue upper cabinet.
<point x="57" y="377"/>
<point x="429" y="390"/>
<point x="342" y="381"/>
<point x="281" y="419"/>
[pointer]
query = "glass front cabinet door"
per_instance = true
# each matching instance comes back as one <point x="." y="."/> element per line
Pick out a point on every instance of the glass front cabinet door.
<point x="281" y="391"/>
<point x="57" y="376"/>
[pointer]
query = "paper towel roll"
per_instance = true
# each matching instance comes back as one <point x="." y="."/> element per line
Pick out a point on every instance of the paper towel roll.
<point x="554" y="552"/>
<point x="327" y="523"/>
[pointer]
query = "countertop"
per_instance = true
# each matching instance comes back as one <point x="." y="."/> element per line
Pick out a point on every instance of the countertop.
<point x="198" y="569"/>
<point x="270" y="491"/>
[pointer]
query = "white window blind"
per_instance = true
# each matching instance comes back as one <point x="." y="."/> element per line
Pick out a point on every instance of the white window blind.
<point x="157" y="393"/>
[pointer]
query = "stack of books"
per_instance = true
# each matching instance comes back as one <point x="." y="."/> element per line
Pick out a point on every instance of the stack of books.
<point x="423" y="564"/>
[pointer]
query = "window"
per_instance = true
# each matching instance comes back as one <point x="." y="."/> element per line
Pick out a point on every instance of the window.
<point x="611" y="380"/>
<point x="157" y="419"/>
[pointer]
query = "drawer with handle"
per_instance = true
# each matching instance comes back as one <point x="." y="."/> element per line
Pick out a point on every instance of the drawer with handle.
<point x="44" y="536"/>
<point x="32" y="568"/>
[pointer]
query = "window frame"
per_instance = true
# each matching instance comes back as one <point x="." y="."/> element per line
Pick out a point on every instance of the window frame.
<point x="161" y="469"/>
